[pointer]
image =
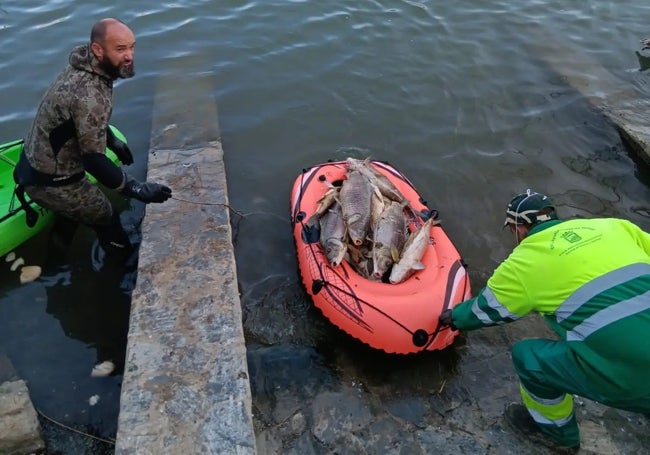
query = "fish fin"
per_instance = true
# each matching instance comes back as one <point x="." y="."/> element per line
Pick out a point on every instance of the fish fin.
<point x="394" y="253"/>
<point x="418" y="266"/>
<point x="354" y="218"/>
<point x="377" y="192"/>
<point x="409" y="210"/>
<point x="355" y="253"/>
<point x="313" y="220"/>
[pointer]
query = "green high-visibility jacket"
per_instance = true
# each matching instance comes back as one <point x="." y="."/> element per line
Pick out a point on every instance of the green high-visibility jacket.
<point x="590" y="279"/>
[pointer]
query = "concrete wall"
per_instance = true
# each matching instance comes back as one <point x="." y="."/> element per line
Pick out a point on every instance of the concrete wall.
<point x="186" y="388"/>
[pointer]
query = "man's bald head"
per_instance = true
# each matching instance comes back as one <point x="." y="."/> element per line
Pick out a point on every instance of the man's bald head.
<point x="100" y="29"/>
<point x="113" y="43"/>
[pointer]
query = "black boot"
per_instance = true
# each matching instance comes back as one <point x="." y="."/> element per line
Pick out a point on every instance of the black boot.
<point x="519" y="420"/>
<point x="114" y="240"/>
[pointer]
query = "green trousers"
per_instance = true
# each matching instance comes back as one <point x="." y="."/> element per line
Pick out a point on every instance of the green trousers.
<point x="549" y="378"/>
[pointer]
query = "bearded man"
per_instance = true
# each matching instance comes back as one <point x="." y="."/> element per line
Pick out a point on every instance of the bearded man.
<point x="69" y="137"/>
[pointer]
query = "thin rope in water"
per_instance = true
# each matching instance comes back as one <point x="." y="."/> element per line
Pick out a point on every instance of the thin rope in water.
<point x="208" y="203"/>
<point x="62" y="425"/>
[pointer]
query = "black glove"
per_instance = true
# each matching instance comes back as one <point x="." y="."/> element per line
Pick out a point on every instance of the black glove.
<point x="446" y="319"/>
<point x="146" y="191"/>
<point x="118" y="147"/>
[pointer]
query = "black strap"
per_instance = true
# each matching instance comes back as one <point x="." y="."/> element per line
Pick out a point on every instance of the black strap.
<point x="26" y="175"/>
<point x="31" y="215"/>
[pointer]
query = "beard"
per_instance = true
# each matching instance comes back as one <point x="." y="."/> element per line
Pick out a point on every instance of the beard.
<point x="118" y="71"/>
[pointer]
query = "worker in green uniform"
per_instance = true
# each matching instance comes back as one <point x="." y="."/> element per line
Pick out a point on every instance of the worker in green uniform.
<point x="590" y="280"/>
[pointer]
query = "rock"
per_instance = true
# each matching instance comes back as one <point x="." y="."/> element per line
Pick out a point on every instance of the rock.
<point x="7" y="370"/>
<point x="20" y="432"/>
<point x="102" y="369"/>
<point x="29" y="273"/>
<point x="17" y="263"/>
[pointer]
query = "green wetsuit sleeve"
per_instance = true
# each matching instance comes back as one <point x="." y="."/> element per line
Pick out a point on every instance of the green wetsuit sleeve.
<point x="503" y="300"/>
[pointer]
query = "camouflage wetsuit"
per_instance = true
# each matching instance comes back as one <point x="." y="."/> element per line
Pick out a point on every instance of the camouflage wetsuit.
<point x="72" y="120"/>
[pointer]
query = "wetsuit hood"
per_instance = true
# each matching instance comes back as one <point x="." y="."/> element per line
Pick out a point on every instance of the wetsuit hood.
<point x="82" y="58"/>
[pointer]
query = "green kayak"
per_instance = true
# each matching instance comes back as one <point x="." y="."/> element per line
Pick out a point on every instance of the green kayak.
<point x="13" y="226"/>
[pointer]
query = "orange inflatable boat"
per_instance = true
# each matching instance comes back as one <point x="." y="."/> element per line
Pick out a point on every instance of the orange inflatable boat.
<point x="397" y="318"/>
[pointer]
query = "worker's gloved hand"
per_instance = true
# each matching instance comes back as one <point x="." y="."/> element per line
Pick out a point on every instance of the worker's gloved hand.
<point x="146" y="191"/>
<point x="446" y="319"/>
<point x="121" y="150"/>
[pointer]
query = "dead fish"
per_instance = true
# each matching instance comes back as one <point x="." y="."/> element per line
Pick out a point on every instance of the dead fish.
<point x="377" y="206"/>
<point x="332" y="235"/>
<point x="385" y="186"/>
<point x="361" y="260"/>
<point x="410" y="259"/>
<point x="324" y="203"/>
<point x="389" y="239"/>
<point x="355" y="198"/>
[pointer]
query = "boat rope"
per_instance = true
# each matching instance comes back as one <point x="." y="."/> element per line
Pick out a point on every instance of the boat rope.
<point x="62" y="425"/>
<point x="439" y="327"/>
<point x="209" y="203"/>
<point x="350" y="294"/>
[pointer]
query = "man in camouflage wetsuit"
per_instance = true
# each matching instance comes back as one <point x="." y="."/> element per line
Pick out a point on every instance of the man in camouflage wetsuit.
<point x="70" y="134"/>
<point x="590" y="280"/>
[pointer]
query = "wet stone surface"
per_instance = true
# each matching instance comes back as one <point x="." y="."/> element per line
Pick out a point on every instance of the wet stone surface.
<point x="318" y="391"/>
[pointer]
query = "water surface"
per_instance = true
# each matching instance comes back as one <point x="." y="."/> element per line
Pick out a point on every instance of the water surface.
<point x="457" y="95"/>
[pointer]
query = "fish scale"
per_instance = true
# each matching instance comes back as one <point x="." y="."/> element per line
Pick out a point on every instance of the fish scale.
<point x="389" y="237"/>
<point x="355" y="198"/>
<point x="332" y="235"/>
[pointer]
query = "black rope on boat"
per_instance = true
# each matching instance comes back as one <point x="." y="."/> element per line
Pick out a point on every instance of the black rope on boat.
<point x="324" y="283"/>
<point x="439" y="327"/>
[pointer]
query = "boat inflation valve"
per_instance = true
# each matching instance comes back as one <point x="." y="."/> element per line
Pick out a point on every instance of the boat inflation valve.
<point x="420" y="338"/>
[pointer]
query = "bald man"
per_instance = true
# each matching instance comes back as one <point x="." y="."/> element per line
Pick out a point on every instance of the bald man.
<point x="69" y="136"/>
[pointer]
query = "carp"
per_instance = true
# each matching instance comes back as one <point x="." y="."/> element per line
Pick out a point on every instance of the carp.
<point x="355" y="197"/>
<point x="389" y="239"/>
<point x="377" y="206"/>
<point x="324" y="203"/>
<point x="332" y="235"/>
<point x="410" y="259"/>
<point x="378" y="179"/>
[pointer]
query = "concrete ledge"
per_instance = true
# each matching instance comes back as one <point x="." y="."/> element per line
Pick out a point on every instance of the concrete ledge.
<point x="632" y="121"/>
<point x="186" y="388"/>
<point x="20" y="432"/>
<point x="615" y="98"/>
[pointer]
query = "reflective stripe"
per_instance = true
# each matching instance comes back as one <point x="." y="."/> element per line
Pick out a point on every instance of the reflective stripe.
<point x="493" y="303"/>
<point x="608" y="315"/>
<point x="544" y="401"/>
<point x="598" y="285"/>
<point x="539" y="418"/>
<point x="557" y="412"/>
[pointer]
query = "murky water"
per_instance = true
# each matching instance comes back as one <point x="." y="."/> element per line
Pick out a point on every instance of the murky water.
<point x="457" y="95"/>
